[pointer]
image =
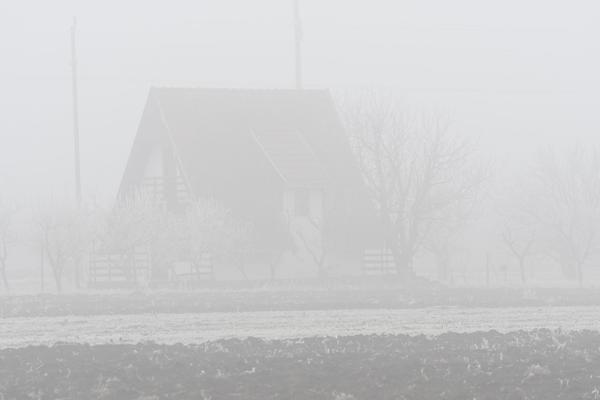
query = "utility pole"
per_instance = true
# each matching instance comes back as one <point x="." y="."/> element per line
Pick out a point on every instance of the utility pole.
<point x="75" y="113"/>
<point x="76" y="132"/>
<point x="42" y="263"/>
<point x="298" y="44"/>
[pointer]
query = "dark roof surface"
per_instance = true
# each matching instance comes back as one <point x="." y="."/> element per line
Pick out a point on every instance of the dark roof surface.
<point x="236" y="143"/>
<point x="217" y="129"/>
<point x="291" y="156"/>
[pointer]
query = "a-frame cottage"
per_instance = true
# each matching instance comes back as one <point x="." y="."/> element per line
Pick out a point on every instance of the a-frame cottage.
<point x="262" y="154"/>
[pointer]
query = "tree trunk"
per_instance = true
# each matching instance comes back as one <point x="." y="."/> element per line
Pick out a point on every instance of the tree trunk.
<point x="323" y="274"/>
<point x="57" y="272"/>
<point x="242" y="266"/>
<point x="443" y="267"/>
<point x="522" y="269"/>
<point x="272" y="270"/>
<point x="5" y="280"/>
<point x="274" y="261"/>
<point x="3" y="273"/>
<point x="77" y="263"/>
<point x="403" y="263"/>
<point x="3" y="257"/>
<point x="579" y="268"/>
<point x="42" y="268"/>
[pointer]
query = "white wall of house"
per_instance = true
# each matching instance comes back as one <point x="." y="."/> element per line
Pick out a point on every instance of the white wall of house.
<point x="306" y="230"/>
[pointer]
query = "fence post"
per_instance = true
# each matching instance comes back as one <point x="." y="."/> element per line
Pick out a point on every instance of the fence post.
<point x="487" y="269"/>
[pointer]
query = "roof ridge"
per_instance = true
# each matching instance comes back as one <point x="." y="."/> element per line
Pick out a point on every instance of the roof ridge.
<point x="238" y="89"/>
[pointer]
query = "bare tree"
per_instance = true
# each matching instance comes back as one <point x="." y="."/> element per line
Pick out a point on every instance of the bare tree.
<point x="208" y="230"/>
<point x="131" y="223"/>
<point x="415" y="168"/>
<point x="441" y="243"/>
<point x="241" y="244"/>
<point x="565" y="195"/>
<point x="316" y="235"/>
<point x="515" y="207"/>
<point x="66" y="236"/>
<point x="519" y="230"/>
<point x="450" y="228"/>
<point x="316" y="245"/>
<point x="204" y="231"/>
<point x="520" y="242"/>
<point x="275" y="240"/>
<point x="54" y="243"/>
<point x="136" y="225"/>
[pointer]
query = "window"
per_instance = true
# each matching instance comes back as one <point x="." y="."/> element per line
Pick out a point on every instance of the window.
<point x="301" y="202"/>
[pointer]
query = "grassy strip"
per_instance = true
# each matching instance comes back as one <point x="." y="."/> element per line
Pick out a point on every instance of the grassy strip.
<point x="269" y="299"/>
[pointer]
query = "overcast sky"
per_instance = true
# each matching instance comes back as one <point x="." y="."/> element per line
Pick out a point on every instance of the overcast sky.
<point x="517" y="73"/>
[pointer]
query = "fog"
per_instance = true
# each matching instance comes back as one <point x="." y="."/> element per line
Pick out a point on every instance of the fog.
<point x="517" y="74"/>
<point x="299" y="199"/>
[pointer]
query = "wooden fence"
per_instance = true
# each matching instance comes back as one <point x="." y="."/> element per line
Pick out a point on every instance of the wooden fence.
<point x="378" y="262"/>
<point x="156" y="188"/>
<point x="108" y="269"/>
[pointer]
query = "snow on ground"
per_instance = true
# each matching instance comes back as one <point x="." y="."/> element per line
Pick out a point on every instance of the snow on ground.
<point x="198" y="328"/>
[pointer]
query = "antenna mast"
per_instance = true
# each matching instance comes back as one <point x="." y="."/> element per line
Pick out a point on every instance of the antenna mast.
<point x="75" y="112"/>
<point x="298" y="44"/>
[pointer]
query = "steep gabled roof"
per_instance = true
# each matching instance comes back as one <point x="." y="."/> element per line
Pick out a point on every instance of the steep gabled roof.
<point x="292" y="157"/>
<point x="215" y="134"/>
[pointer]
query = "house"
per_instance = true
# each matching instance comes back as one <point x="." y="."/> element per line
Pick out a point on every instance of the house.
<point x="263" y="154"/>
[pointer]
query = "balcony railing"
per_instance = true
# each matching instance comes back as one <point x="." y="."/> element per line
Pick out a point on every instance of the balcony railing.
<point x="157" y="189"/>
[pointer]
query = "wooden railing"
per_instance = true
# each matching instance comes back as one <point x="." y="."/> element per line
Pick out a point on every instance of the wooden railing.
<point x="156" y="188"/>
<point x="119" y="269"/>
<point x="378" y="262"/>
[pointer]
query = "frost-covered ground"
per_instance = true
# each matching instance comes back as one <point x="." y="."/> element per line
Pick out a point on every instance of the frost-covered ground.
<point x="201" y="327"/>
<point x="326" y="296"/>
